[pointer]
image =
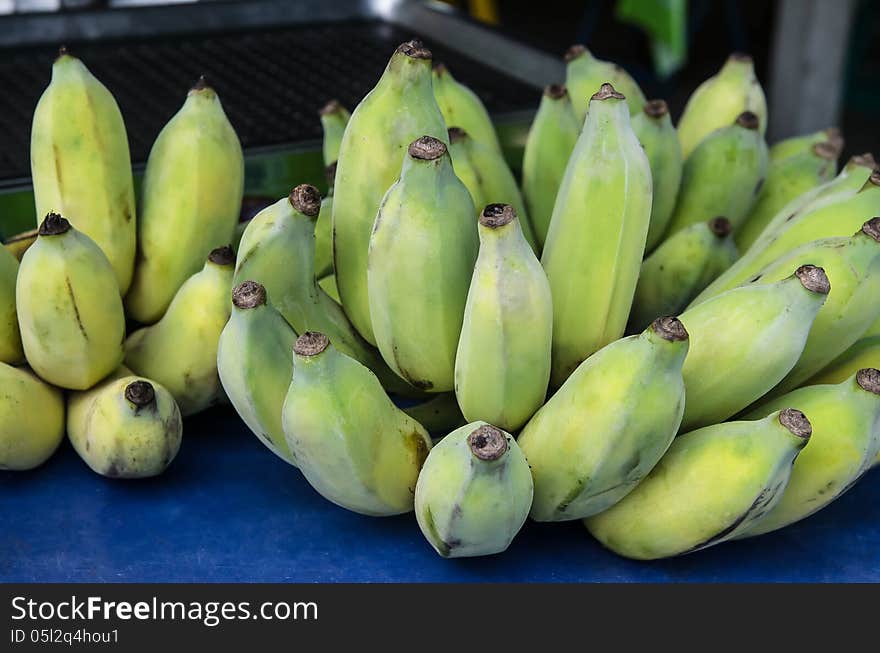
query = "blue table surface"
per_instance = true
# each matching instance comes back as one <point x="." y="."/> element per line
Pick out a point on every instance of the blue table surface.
<point x="229" y="510"/>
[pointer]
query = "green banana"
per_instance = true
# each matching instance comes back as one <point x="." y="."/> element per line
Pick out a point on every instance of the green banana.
<point x="422" y="253"/>
<point x="608" y="425"/>
<point x="474" y="492"/>
<point x="502" y="366"/>
<point x="597" y="234"/>
<point x="844" y="444"/>
<point x="787" y="179"/>
<point x="723" y="176"/>
<point x="191" y="201"/>
<point x="324" y="230"/>
<point x="797" y="145"/>
<point x="710" y="487"/>
<point x="719" y="100"/>
<point x="874" y="329"/>
<point x="462" y="107"/>
<point x="353" y="445"/>
<point x="69" y="308"/>
<point x="584" y="75"/>
<point x="551" y="139"/>
<point x="81" y="165"/>
<point x="31" y="419"/>
<point x="328" y="285"/>
<point x="10" y="336"/>
<point x="253" y="361"/>
<point x="334" y="118"/>
<point x="744" y="342"/>
<point x="864" y="353"/>
<point x="128" y="427"/>
<point x="439" y="414"/>
<point x="653" y="127"/>
<point x="398" y="110"/>
<point x="180" y="350"/>
<point x="680" y="268"/>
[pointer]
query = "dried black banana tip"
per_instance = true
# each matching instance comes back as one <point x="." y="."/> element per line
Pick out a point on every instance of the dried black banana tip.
<point x="330" y="173"/>
<point x="814" y="279"/>
<point x="606" y="91"/>
<point x="669" y="328"/>
<point x="414" y="49"/>
<point x="656" y="108"/>
<point x="835" y="137"/>
<point x="748" y="120"/>
<point x="140" y="393"/>
<point x="311" y="343"/>
<point x="427" y="148"/>
<point x="456" y="134"/>
<point x="62" y="51"/>
<point x="720" y="226"/>
<point x="53" y="225"/>
<point x="248" y="294"/>
<point x="497" y="215"/>
<point x="874" y="179"/>
<point x="487" y="443"/>
<point x="865" y="159"/>
<point x="826" y="150"/>
<point x="555" y="91"/>
<point x="222" y="255"/>
<point x="869" y="379"/>
<point x="306" y="199"/>
<point x="440" y="69"/>
<point x="740" y="57"/>
<point x="796" y="422"/>
<point x="201" y="84"/>
<point x="333" y="106"/>
<point x="574" y="52"/>
<point x="872" y="228"/>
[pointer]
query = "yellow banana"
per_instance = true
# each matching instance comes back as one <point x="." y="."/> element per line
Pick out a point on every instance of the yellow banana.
<point x="18" y="244"/>
<point x="31" y="419"/>
<point x="10" y="336"/>
<point x="462" y="107"/>
<point x="585" y="74"/>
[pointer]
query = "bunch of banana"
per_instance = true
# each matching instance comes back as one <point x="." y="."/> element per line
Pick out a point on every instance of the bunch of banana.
<point x="552" y="136"/>
<point x="10" y="336"/>
<point x="180" y="350"/>
<point x="31" y="419"/>
<point x="711" y="486"/>
<point x="80" y="162"/>
<point x="474" y="492"/>
<point x="585" y="74"/>
<point x="719" y="100"/>
<point x="680" y="268"/>
<point x="597" y="234"/>
<point x="462" y="107"/>
<point x="422" y="253"/>
<point x="69" y="309"/>
<point x="191" y="201"/>
<point x="608" y="425"/>
<point x="334" y="119"/>
<point x="653" y="127"/>
<point x="253" y="361"/>
<point x="353" y="445"/>
<point x="723" y="175"/>
<point x="398" y="110"/>
<point x="502" y="366"/>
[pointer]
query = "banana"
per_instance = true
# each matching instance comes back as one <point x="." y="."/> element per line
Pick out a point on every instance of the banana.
<point x="680" y="268"/>
<point x="328" y="285"/>
<point x="18" y="244"/>
<point x="253" y="361"/>
<point x="488" y="178"/>
<point x="334" y="119"/>
<point x="551" y="139"/>
<point x="723" y="176"/>
<point x="719" y="100"/>
<point x="180" y="350"/>
<point x="608" y="425"/>
<point x="422" y="253"/>
<point x="128" y="427"/>
<point x="69" y="308"/>
<point x="398" y="110"/>
<point x="710" y="487"/>
<point x="844" y="444"/>
<point x="502" y="366"/>
<point x="864" y="353"/>
<point x="439" y="414"/>
<point x="797" y="145"/>
<point x="191" y="201"/>
<point x="462" y="107"/>
<point x="474" y="492"/>
<point x="584" y="75"/>
<point x="353" y="445"/>
<point x="324" y="230"/>
<point x="787" y="179"/>
<point x="653" y="127"/>
<point x="81" y="165"/>
<point x="31" y="419"/>
<point x="10" y="336"/>
<point x="597" y="234"/>
<point x="744" y="342"/>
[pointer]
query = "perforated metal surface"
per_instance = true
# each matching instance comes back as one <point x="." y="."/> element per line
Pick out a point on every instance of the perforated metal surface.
<point x="271" y="82"/>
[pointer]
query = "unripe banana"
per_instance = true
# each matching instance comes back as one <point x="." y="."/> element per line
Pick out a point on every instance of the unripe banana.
<point x="723" y="176"/>
<point x="10" y="336"/>
<point x="328" y="285"/>
<point x="744" y="342"/>
<point x="503" y="362"/>
<point x="31" y="419"/>
<point x="710" y="487"/>
<point x="799" y="144"/>
<point x="787" y="179"/>
<point x="680" y="268"/>
<point x="551" y="139"/>
<point x="844" y="445"/>
<point x="191" y="201"/>
<point x="398" y="110"/>
<point x="474" y="492"/>
<point x="127" y="427"/>
<point x="69" y="310"/>
<point x="439" y="414"/>
<point x="334" y="119"/>
<point x="653" y="127"/>
<point x="462" y="107"/>
<point x="422" y="253"/>
<point x="608" y="425"/>
<point x="81" y="165"/>
<point x="353" y="445"/>
<point x="864" y="353"/>
<point x="584" y="75"/>
<point x="597" y="234"/>
<point x="324" y="230"/>
<point x="253" y="360"/>
<point x="180" y="350"/>
<point x="719" y="100"/>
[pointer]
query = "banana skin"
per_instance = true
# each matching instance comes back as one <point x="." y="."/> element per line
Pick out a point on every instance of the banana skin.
<point x="334" y="119"/>
<point x="31" y="419"/>
<point x="462" y="107"/>
<point x="585" y="74"/>
<point x="11" y="350"/>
